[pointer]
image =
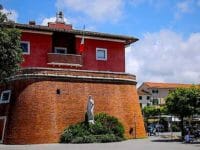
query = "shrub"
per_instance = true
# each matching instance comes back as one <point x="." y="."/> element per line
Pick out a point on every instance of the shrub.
<point x="110" y="124"/>
<point x="104" y="138"/>
<point x="106" y="129"/>
<point x="175" y="128"/>
<point x="78" y="130"/>
<point x="84" y="139"/>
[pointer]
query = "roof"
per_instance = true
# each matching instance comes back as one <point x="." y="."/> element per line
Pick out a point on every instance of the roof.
<point x="128" y="39"/>
<point x="166" y="85"/>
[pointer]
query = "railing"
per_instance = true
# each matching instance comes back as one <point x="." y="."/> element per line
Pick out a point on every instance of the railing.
<point x="64" y="59"/>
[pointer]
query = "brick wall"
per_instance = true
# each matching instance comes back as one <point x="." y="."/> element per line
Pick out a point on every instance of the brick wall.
<point x="37" y="114"/>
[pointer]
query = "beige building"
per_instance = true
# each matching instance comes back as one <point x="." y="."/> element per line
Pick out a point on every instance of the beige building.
<point x="152" y="93"/>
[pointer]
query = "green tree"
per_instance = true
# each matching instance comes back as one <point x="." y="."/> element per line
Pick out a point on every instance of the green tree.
<point x="151" y="111"/>
<point x="10" y="51"/>
<point x="183" y="102"/>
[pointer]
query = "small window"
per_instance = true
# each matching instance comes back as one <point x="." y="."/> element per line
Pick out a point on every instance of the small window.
<point x="101" y="54"/>
<point x="155" y="91"/>
<point x="140" y="97"/>
<point x="155" y="101"/>
<point x="5" y="96"/>
<point x="141" y="105"/>
<point x="25" y="46"/>
<point x="58" y="91"/>
<point x="148" y="97"/>
<point x="60" y="50"/>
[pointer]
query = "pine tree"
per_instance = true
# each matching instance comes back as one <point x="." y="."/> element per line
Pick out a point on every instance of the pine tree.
<point x="10" y="50"/>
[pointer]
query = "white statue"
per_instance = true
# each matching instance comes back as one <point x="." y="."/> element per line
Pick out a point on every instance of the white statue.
<point x="90" y="110"/>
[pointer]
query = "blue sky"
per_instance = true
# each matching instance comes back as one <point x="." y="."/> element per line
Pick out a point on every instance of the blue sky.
<point x="169" y="31"/>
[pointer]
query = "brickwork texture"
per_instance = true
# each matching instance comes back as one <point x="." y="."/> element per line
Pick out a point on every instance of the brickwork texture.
<point x="38" y="113"/>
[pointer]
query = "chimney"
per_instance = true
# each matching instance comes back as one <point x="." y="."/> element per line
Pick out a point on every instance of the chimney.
<point x="32" y="23"/>
<point x="60" y="23"/>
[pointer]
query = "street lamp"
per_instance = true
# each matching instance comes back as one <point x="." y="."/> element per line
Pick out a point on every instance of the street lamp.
<point x="135" y="125"/>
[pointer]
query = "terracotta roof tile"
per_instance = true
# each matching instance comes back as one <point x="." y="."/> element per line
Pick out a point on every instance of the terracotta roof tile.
<point x="128" y="39"/>
<point x="166" y="85"/>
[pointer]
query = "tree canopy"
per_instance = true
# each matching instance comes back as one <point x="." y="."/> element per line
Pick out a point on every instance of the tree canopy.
<point x="150" y="111"/>
<point x="184" y="102"/>
<point x="10" y="50"/>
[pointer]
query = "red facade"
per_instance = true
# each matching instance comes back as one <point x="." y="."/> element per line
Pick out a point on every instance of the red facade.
<point x="40" y="46"/>
<point x="44" y="40"/>
<point x="115" y="56"/>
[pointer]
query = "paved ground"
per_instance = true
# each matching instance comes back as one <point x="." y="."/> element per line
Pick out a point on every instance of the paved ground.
<point x="162" y="142"/>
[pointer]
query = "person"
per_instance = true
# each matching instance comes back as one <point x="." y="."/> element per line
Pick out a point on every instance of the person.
<point x="90" y="110"/>
<point x="187" y="137"/>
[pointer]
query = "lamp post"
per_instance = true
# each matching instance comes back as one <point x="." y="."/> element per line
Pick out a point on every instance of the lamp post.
<point x="135" y="125"/>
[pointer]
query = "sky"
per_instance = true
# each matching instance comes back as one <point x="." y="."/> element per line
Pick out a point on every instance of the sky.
<point x="168" y="49"/>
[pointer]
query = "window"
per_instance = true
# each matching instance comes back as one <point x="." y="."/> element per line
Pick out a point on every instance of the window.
<point x="155" y="91"/>
<point x="141" y="105"/>
<point x="5" y="96"/>
<point x="25" y="46"/>
<point x="60" y="50"/>
<point x="148" y="97"/>
<point x="155" y="101"/>
<point x="101" y="54"/>
<point x="140" y="97"/>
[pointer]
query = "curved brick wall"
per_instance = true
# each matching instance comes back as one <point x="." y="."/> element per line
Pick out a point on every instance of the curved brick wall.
<point x="37" y="114"/>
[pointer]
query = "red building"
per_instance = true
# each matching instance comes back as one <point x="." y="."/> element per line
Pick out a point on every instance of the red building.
<point x="50" y="91"/>
<point x="57" y="46"/>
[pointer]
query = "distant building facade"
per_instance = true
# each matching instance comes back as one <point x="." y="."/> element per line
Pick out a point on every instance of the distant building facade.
<point x="152" y="93"/>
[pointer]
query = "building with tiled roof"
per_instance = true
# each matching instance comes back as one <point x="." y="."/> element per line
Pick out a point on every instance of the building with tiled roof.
<point x="166" y="85"/>
<point x="62" y="67"/>
<point x="154" y="93"/>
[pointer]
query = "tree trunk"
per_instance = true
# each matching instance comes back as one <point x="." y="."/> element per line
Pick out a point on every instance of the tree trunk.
<point x="182" y="128"/>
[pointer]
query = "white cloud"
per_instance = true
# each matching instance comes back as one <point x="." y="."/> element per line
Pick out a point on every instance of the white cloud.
<point x="52" y="19"/>
<point x="156" y="4"/>
<point x="98" y="10"/>
<point x="11" y="14"/>
<point x="165" y="56"/>
<point x="44" y="21"/>
<point x="184" y="6"/>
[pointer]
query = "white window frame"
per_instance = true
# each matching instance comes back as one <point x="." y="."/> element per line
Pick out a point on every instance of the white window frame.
<point x="4" y="126"/>
<point x="101" y="49"/>
<point x="8" y="100"/>
<point x="63" y="48"/>
<point x="26" y="42"/>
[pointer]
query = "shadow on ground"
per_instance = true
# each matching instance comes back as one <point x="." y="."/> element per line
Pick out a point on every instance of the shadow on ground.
<point x="177" y="139"/>
<point x="166" y="140"/>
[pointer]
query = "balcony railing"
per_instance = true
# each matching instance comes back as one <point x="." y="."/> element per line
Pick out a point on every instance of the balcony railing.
<point x="64" y="59"/>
